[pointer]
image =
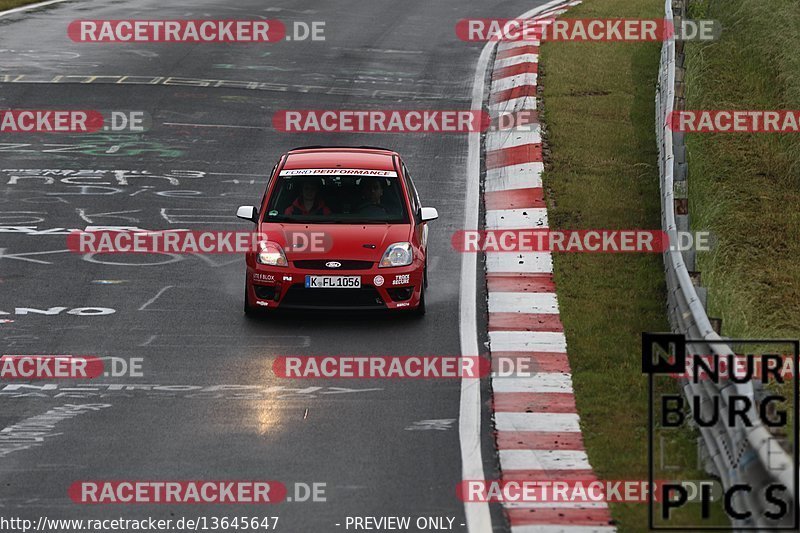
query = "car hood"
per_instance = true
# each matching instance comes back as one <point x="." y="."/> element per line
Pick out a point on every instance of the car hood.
<point x="359" y="242"/>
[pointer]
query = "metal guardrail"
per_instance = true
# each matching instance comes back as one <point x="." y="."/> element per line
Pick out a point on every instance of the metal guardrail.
<point x="746" y="455"/>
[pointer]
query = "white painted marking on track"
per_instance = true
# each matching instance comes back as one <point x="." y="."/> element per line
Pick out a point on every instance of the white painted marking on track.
<point x="522" y="176"/>
<point x="226" y="341"/>
<point x="528" y="218"/>
<point x="510" y="82"/>
<point x="29" y="7"/>
<point x="562" y="528"/>
<point x="555" y="505"/>
<point x="513" y="105"/>
<point x="528" y="341"/>
<point x="154" y="298"/>
<point x="528" y="262"/>
<point x="511" y="137"/>
<point x="507" y="45"/>
<point x="214" y="126"/>
<point x="543" y="460"/>
<point x="235" y="174"/>
<point x="523" y="302"/>
<point x="478" y="519"/>
<point x="148" y="341"/>
<point x="544" y="422"/>
<point x="542" y="383"/>
<point x="515" y="60"/>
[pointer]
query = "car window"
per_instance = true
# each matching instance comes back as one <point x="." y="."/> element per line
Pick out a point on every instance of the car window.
<point x="266" y="189"/>
<point x="412" y="191"/>
<point x="333" y="199"/>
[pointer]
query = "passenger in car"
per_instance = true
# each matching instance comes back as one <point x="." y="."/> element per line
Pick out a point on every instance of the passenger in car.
<point x="309" y="202"/>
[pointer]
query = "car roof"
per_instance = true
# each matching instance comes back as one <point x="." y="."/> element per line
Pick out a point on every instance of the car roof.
<point x="368" y="158"/>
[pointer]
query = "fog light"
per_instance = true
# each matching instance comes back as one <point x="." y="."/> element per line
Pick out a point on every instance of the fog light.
<point x="400" y="294"/>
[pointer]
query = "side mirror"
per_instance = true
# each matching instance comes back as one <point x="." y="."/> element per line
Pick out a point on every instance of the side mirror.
<point x="247" y="212"/>
<point x="429" y="213"/>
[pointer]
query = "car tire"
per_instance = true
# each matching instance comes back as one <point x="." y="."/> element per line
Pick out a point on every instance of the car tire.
<point x="420" y="310"/>
<point x="250" y="311"/>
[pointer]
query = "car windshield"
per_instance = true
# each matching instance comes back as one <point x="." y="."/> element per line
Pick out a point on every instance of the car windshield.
<point x="337" y="199"/>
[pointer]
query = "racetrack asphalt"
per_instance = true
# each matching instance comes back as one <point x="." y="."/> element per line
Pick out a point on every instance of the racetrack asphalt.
<point x="208" y="405"/>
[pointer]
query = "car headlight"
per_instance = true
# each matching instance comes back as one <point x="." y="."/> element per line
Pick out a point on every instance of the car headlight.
<point x="270" y="253"/>
<point x="397" y="255"/>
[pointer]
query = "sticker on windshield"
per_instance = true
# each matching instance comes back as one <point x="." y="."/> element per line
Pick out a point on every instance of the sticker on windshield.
<point x="339" y="172"/>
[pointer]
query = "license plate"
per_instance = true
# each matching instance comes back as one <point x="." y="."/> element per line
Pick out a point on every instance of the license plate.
<point x="333" y="282"/>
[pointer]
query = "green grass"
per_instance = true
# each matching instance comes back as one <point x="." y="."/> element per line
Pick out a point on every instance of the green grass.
<point x="602" y="173"/>
<point x="11" y="4"/>
<point x="745" y="188"/>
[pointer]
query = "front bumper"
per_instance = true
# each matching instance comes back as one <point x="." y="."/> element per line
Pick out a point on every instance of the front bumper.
<point x="381" y="288"/>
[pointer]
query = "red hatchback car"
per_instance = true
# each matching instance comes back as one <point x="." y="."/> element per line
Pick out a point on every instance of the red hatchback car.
<point x="343" y="229"/>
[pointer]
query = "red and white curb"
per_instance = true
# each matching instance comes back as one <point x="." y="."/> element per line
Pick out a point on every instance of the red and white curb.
<point x="538" y="431"/>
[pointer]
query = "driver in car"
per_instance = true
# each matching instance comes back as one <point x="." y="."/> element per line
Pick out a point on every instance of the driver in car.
<point x="309" y="202"/>
<point x="371" y="195"/>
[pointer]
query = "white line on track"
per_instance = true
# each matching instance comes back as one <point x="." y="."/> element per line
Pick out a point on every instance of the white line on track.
<point x="214" y="126"/>
<point x="511" y="137"/>
<point x="543" y="382"/>
<point x="556" y="505"/>
<point x="516" y="60"/>
<point x="542" y="422"/>
<point x="515" y="262"/>
<point x="29" y="7"/>
<point x="154" y="298"/>
<point x="533" y="302"/>
<point x="544" y="460"/>
<point x="469" y="420"/>
<point x="563" y="529"/>
<point x="235" y="174"/>
<point x="513" y="81"/>
<point x="524" y="175"/>
<point x="529" y="217"/>
<point x="507" y="45"/>
<point x="528" y="341"/>
<point x="513" y="105"/>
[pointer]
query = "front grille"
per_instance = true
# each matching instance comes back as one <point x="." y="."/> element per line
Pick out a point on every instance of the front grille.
<point x="298" y="297"/>
<point x="319" y="264"/>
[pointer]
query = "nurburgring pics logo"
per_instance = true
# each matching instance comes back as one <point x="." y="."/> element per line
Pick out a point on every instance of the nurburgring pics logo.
<point x="710" y="400"/>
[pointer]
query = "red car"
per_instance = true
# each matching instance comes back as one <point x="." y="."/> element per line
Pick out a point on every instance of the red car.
<point x="343" y="229"/>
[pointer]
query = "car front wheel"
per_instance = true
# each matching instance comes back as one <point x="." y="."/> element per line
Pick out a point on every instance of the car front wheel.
<point x="250" y="310"/>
